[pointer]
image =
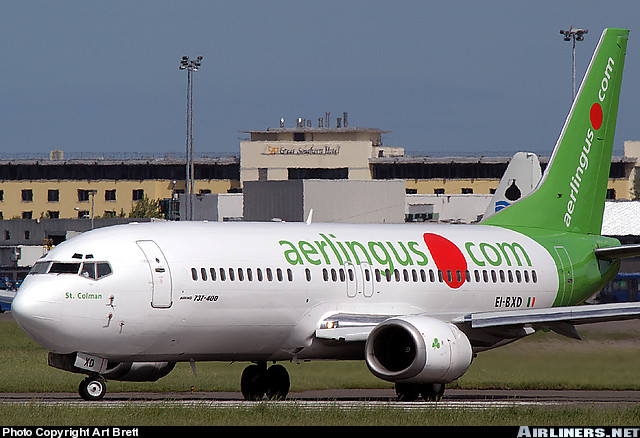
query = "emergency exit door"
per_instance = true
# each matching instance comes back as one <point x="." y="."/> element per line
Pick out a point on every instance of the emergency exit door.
<point x="161" y="285"/>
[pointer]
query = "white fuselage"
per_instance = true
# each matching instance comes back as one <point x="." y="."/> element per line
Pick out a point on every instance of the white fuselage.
<point x="257" y="291"/>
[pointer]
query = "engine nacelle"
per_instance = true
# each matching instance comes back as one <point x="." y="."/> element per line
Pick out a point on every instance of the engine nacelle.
<point x="417" y="349"/>
<point x="125" y="371"/>
<point x="139" y="371"/>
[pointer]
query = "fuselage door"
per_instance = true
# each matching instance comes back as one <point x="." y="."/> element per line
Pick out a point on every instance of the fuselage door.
<point x="161" y="285"/>
<point x="566" y="277"/>
<point x="359" y="279"/>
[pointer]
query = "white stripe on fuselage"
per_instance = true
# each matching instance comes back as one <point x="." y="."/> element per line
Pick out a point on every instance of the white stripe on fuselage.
<point x="256" y="318"/>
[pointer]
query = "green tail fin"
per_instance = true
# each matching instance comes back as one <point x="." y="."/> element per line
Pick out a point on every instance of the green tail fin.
<point x="572" y="191"/>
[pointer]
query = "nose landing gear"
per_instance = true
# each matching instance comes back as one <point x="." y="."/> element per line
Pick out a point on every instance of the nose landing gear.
<point x="257" y="381"/>
<point x="92" y="388"/>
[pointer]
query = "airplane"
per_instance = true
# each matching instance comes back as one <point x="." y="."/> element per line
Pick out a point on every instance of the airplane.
<point x="416" y="302"/>
<point x="520" y="178"/>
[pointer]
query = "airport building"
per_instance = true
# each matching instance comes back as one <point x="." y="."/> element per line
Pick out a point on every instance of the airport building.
<point x="348" y="167"/>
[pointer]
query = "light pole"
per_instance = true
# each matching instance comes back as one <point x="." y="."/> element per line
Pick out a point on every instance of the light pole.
<point x="573" y="35"/>
<point x="191" y="66"/>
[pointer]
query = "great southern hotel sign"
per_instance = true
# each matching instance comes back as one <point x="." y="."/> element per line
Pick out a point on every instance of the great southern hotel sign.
<point x="301" y="150"/>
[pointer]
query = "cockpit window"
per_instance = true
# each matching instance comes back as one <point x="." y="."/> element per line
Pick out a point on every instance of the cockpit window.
<point x="40" y="268"/>
<point x="64" y="268"/>
<point x="103" y="269"/>
<point x="88" y="270"/>
<point x="93" y="270"/>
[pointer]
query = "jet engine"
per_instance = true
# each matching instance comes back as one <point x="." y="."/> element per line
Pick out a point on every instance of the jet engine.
<point x="125" y="371"/>
<point x="417" y="349"/>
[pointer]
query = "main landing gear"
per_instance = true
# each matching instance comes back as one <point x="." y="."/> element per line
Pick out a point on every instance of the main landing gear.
<point x="257" y="381"/>
<point x="411" y="392"/>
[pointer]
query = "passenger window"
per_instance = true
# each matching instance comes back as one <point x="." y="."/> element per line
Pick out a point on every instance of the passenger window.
<point x="290" y="274"/>
<point x="249" y="274"/>
<point x="325" y="274"/>
<point x="432" y="277"/>
<point x="203" y="273"/>
<point x="378" y="276"/>
<point x="334" y="275"/>
<point x="440" y="277"/>
<point x="308" y="274"/>
<point x="88" y="270"/>
<point x="259" y="271"/>
<point x="518" y="276"/>
<point x="526" y="276"/>
<point x="534" y="276"/>
<point x="423" y="276"/>
<point x="194" y="274"/>
<point x="510" y="276"/>
<point x="212" y="271"/>
<point x="223" y="275"/>
<point x="240" y="274"/>
<point x="367" y="275"/>
<point x="342" y="276"/>
<point x="279" y="274"/>
<point x="232" y="275"/>
<point x="269" y="274"/>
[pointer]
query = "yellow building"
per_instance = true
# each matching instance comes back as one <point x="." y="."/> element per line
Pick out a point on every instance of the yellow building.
<point x="72" y="188"/>
<point x="63" y="189"/>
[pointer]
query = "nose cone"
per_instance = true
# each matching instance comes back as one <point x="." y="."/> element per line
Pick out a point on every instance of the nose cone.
<point x="37" y="313"/>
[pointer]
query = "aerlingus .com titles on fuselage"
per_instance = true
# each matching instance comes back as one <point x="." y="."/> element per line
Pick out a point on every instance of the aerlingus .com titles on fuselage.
<point x="327" y="249"/>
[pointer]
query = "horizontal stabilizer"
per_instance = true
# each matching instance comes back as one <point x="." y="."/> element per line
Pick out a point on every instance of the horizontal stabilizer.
<point x="618" y="252"/>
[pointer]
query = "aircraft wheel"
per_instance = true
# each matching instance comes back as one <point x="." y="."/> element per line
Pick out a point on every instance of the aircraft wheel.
<point x="253" y="382"/>
<point x="278" y="382"/>
<point x="92" y="388"/>
<point x="407" y="392"/>
<point x="432" y="391"/>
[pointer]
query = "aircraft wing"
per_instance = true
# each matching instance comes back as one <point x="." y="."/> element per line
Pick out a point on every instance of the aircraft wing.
<point x="349" y="327"/>
<point x="559" y="319"/>
<point x="618" y="252"/>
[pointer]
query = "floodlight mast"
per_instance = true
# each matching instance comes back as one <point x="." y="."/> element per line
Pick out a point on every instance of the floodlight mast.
<point x="191" y="66"/>
<point x="573" y="35"/>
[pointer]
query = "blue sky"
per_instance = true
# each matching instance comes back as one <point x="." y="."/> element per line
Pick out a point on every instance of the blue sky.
<point x="447" y="78"/>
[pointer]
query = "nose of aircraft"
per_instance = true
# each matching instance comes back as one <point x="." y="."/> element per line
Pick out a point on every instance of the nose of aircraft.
<point x="38" y="314"/>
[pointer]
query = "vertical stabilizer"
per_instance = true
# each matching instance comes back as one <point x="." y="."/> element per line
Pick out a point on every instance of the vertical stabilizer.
<point x="521" y="177"/>
<point x="571" y="194"/>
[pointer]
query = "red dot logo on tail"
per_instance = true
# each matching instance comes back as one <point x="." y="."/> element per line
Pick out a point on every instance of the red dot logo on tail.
<point x="596" y="116"/>
<point x="448" y="258"/>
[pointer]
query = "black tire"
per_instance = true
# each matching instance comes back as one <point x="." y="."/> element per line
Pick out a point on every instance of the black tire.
<point x="407" y="392"/>
<point x="93" y="388"/>
<point x="278" y="382"/>
<point x="432" y="391"/>
<point x="253" y="382"/>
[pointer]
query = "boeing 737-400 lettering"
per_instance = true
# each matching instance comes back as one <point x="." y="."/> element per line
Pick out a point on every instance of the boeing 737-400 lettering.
<point x="416" y="302"/>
